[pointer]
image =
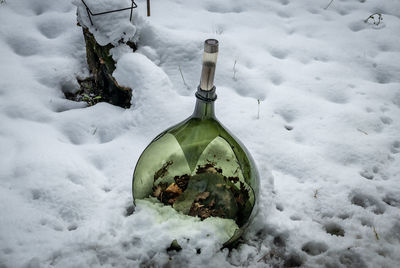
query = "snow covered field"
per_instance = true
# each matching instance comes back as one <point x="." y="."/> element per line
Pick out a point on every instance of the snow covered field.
<point x="328" y="131"/>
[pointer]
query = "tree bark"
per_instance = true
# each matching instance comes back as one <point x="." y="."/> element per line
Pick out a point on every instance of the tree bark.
<point x="102" y="86"/>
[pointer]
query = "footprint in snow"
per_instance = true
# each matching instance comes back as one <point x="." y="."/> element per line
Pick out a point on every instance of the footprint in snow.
<point x="386" y="120"/>
<point x="343" y="216"/>
<point x="348" y="258"/>
<point x="280" y="240"/>
<point x="357" y="26"/>
<point x="314" y="248"/>
<point x="367" y="175"/>
<point x="52" y="28"/>
<point x="39" y="7"/>
<point x="314" y="11"/>
<point x="293" y="260"/>
<point x="392" y="199"/>
<point x="278" y="53"/>
<point x="395" y="147"/>
<point x="24" y="46"/>
<point x="219" y="7"/>
<point x="295" y="218"/>
<point x="366" y="222"/>
<point x="334" y="229"/>
<point x="343" y="11"/>
<point x="382" y="76"/>
<point x="72" y="227"/>
<point x="336" y="95"/>
<point x="367" y="202"/>
<point x="284" y="14"/>
<point x="284" y="2"/>
<point x="289" y="115"/>
<point x="276" y="79"/>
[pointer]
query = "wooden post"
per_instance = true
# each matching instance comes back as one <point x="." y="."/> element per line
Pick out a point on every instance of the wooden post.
<point x="148" y="8"/>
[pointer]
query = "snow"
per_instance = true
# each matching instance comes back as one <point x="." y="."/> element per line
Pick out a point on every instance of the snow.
<point x="173" y="224"/>
<point x="328" y="130"/>
<point x="111" y="27"/>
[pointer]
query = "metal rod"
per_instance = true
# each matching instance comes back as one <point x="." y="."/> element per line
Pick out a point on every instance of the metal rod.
<point x="85" y="5"/>
<point x="111" y="11"/>
<point x="130" y="17"/>
<point x="90" y="13"/>
<point x="148" y="8"/>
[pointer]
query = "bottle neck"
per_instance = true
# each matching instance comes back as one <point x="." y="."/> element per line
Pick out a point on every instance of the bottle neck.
<point x="205" y="99"/>
<point x="204" y="110"/>
<point x="206" y="90"/>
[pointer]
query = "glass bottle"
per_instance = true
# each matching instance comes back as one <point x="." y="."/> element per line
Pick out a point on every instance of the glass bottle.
<point x="197" y="166"/>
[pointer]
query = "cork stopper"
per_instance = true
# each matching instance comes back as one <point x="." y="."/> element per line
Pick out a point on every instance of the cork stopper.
<point x="209" y="62"/>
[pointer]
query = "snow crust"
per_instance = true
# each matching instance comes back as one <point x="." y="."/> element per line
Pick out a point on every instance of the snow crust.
<point x="328" y="129"/>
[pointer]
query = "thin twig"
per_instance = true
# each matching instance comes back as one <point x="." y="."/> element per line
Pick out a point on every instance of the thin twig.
<point x="267" y="255"/>
<point x="362" y="131"/>
<point x="376" y="234"/>
<point x="328" y="4"/>
<point x="258" y="112"/>
<point x="316" y="193"/>
<point x="234" y="71"/>
<point x="184" y="82"/>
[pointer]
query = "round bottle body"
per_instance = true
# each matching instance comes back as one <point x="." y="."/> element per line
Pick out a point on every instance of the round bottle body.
<point x="198" y="168"/>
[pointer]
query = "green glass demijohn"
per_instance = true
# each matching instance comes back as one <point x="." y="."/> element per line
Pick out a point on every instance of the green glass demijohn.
<point x="198" y="167"/>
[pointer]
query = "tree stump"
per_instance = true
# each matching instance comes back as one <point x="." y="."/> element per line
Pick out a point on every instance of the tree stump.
<point x="101" y="86"/>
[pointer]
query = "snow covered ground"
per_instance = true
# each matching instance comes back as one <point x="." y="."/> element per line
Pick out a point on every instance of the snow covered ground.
<point x="328" y="130"/>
